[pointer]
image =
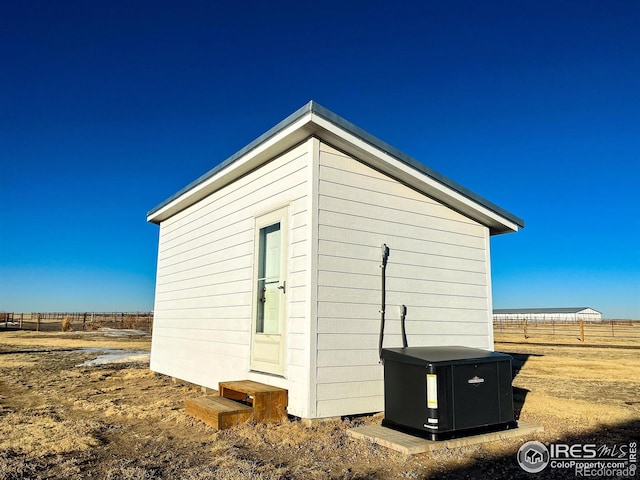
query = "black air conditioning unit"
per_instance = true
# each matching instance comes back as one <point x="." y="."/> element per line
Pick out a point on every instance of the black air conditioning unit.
<point x="446" y="392"/>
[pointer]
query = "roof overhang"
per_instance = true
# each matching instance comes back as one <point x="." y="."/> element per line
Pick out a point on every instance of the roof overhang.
<point x="315" y="120"/>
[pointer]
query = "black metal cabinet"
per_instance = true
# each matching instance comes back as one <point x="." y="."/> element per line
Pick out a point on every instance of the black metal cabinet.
<point x="444" y="392"/>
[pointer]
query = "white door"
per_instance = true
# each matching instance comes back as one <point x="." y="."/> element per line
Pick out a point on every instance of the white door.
<point x="267" y="341"/>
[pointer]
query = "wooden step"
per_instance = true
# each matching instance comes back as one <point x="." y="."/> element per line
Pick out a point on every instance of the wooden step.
<point x="218" y="412"/>
<point x="269" y="403"/>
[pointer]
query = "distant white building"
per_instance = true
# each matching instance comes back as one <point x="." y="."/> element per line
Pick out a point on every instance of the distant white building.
<point x="548" y="314"/>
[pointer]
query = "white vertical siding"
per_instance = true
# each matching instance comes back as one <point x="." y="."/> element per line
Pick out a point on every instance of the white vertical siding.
<point x="203" y="306"/>
<point x="438" y="267"/>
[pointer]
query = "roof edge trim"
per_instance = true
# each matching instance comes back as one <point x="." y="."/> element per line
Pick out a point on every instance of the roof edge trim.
<point x="307" y="108"/>
<point x="412" y="162"/>
<point x="314" y="108"/>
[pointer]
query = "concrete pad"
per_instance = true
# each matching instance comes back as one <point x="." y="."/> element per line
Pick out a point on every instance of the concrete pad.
<point x="411" y="445"/>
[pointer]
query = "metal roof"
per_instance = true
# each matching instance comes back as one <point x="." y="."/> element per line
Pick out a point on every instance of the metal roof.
<point x="314" y="108"/>
<point x="543" y="310"/>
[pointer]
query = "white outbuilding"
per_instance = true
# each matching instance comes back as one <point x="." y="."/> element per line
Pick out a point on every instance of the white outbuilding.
<point x="558" y="314"/>
<point x="269" y="265"/>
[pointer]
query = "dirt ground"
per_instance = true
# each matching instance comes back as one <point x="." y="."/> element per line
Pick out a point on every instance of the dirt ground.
<point x="60" y="419"/>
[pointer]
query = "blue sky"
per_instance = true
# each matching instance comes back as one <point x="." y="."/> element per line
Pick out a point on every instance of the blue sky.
<point x="109" y="107"/>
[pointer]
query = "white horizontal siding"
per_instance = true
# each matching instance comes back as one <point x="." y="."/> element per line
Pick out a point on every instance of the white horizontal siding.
<point x="438" y="267"/>
<point x="338" y="391"/>
<point x="370" y="218"/>
<point x="344" y="257"/>
<point x="188" y="356"/>
<point x="396" y="284"/>
<point x="349" y="357"/>
<point x="332" y="311"/>
<point x="350" y="406"/>
<point x="190" y="282"/>
<point x="215" y="265"/>
<point x="232" y="200"/>
<point x="342" y="231"/>
<point x="204" y="291"/>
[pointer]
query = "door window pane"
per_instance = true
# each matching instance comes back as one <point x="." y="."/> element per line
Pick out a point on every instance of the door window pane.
<point x="268" y="320"/>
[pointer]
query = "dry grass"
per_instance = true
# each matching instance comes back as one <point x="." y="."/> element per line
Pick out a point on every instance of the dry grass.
<point x="21" y="340"/>
<point x="58" y="420"/>
<point x="46" y="429"/>
<point x="66" y="324"/>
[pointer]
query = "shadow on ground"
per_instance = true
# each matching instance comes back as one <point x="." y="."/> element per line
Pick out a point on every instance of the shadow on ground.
<point x="519" y="394"/>
<point x="506" y="467"/>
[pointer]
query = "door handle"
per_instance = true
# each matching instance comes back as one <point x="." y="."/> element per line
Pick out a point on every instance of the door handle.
<point x="282" y="287"/>
<point x="263" y="297"/>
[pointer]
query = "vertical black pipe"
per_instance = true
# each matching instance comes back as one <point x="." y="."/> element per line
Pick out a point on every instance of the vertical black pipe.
<point x="383" y="301"/>
<point x="403" y="315"/>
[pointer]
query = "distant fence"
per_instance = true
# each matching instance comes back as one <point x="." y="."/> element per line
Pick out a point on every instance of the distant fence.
<point x="583" y="331"/>
<point x="76" y="321"/>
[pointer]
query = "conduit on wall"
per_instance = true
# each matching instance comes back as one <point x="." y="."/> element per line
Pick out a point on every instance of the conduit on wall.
<point x="403" y="315"/>
<point x="383" y="303"/>
<point x="383" y="300"/>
